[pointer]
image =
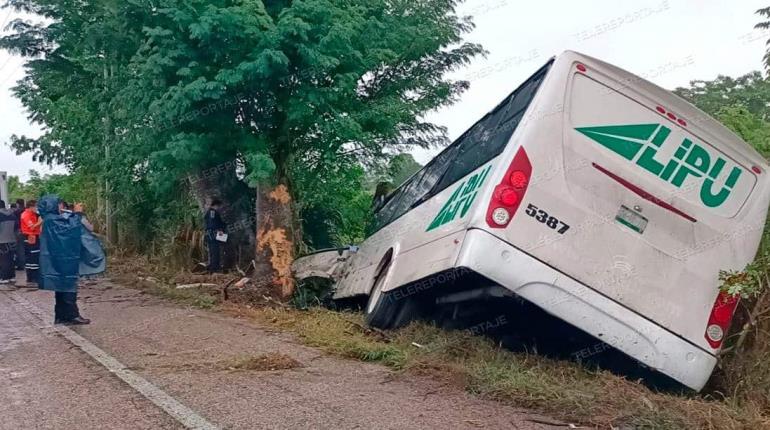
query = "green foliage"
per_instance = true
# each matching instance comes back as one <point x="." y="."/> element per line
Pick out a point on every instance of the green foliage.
<point x="17" y="190"/>
<point x="399" y="168"/>
<point x="741" y="105"/>
<point x="71" y="188"/>
<point x="748" y="126"/>
<point x="738" y="103"/>
<point x="191" y="84"/>
<point x="312" y="292"/>
<point x="76" y="187"/>
<point x="335" y="207"/>
<point x="747" y="284"/>
<point x="750" y="91"/>
<point x="142" y="95"/>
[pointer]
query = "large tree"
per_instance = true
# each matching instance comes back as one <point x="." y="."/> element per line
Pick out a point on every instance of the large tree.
<point x="275" y="94"/>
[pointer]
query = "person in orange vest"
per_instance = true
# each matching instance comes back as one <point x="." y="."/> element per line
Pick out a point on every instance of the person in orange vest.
<point x="31" y="226"/>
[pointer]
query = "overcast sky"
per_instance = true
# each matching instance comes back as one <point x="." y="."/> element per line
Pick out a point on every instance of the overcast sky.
<point x="669" y="42"/>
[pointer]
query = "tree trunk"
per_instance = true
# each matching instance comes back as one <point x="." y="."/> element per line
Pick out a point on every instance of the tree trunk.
<point x="222" y="182"/>
<point x="275" y="238"/>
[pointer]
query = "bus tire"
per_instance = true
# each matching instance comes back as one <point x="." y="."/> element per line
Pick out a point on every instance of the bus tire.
<point x="380" y="308"/>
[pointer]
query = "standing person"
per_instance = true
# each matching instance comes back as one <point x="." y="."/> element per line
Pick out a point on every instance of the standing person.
<point x="15" y="256"/>
<point x="30" y="226"/>
<point x="214" y="225"/>
<point x="87" y="224"/>
<point x="87" y="280"/>
<point x="20" y="256"/>
<point x="7" y="244"/>
<point x="60" y="249"/>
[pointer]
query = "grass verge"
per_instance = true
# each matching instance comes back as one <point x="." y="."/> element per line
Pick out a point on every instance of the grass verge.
<point x="560" y="389"/>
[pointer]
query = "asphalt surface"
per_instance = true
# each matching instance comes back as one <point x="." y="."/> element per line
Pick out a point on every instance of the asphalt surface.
<point x="48" y="380"/>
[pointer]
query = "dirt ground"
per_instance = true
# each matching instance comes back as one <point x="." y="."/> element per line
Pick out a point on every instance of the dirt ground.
<point x="236" y="374"/>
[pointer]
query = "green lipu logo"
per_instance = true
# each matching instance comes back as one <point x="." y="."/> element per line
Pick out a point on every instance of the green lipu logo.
<point x="461" y="200"/>
<point x="640" y="144"/>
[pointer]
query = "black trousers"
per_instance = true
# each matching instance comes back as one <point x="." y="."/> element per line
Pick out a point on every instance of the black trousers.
<point x="7" y="253"/>
<point x="32" y="261"/>
<point x="214" y="252"/>
<point x="20" y="255"/>
<point x="66" y="308"/>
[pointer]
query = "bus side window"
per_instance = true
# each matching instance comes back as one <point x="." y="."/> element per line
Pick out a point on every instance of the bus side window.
<point x="411" y="194"/>
<point x="488" y="138"/>
<point x="383" y="216"/>
<point x="433" y="173"/>
<point x="484" y="141"/>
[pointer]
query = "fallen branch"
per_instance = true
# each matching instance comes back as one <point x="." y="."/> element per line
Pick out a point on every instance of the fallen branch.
<point x="238" y="284"/>
<point x="753" y="319"/>
<point x="550" y="423"/>
<point x="281" y="304"/>
<point x="190" y="286"/>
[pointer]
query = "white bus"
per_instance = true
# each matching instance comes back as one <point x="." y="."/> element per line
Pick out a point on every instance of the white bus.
<point x="601" y="198"/>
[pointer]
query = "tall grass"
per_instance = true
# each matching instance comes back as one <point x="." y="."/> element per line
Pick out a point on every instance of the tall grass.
<point x="564" y="390"/>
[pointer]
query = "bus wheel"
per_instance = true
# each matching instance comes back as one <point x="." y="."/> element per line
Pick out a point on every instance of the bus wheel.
<point x="380" y="309"/>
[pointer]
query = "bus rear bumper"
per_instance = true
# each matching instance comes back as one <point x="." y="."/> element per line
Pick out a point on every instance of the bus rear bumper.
<point x="586" y="309"/>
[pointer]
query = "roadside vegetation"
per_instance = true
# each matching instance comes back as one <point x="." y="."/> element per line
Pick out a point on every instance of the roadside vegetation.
<point x="743" y="373"/>
<point x="297" y="106"/>
<point x="281" y="105"/>
<point x="564" y="390"/>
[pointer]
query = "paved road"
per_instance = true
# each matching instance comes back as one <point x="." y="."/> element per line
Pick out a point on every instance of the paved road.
<point x="182" y="359"/>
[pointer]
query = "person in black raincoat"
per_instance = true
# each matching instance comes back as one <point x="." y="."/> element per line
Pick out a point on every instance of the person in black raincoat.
<point x="7" y="244"/>
<point x="214" y="224"/>
<point x="67" y="250"/>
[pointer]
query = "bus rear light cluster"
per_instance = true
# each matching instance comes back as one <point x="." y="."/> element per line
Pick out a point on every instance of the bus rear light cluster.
<point x="720" y="319"/>
<point x="509" y="193"/>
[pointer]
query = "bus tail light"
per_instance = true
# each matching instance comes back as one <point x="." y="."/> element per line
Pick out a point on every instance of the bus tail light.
<point x="721" y="316"/>
<point x="519" y="179"/>
<point x="509" y="193"/>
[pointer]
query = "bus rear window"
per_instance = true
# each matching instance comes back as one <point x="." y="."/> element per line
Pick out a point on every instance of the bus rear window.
<point x="488" y="137"/>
